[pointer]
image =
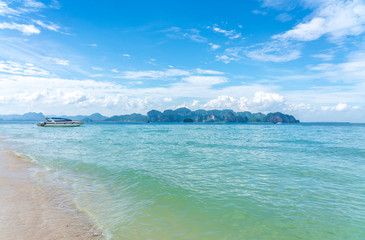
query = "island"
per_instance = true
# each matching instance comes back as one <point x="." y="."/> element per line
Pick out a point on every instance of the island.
<point x="183" y="115"/>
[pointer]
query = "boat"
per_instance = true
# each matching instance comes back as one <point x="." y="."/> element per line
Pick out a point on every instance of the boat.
<point x="59" y="122"/>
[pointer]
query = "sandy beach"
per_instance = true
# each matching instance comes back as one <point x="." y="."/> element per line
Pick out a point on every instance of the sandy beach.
<point x="29" y="210"/>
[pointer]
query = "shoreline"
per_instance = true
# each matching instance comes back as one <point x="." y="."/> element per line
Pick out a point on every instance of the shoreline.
<point x="29" y="210"/>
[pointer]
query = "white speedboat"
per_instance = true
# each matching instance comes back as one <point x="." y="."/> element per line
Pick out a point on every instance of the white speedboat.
<point x="59" y="122"/>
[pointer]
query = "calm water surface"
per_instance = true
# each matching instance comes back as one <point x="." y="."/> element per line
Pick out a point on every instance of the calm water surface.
<point x="207" y="181"/>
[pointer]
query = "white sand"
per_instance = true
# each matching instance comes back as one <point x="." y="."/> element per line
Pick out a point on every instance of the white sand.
<point x="30" y="211"/>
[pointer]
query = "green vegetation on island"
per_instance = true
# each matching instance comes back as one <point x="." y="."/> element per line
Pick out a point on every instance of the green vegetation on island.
<point x="178" y="115"/>
<point x="226" y="116"/>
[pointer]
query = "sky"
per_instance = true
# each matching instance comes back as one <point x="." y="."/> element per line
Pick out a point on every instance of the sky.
<point x="300" y="57"/>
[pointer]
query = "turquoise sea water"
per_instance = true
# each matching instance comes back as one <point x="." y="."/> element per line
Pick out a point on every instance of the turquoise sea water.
<point x="207" y="181"/>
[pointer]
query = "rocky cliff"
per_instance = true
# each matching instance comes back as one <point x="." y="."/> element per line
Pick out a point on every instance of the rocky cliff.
<point x="182" y="114"/>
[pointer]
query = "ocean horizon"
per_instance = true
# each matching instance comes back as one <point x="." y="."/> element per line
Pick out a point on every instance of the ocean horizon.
<point x="205" y="181"/>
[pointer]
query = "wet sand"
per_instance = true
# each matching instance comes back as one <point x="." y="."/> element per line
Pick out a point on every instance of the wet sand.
<point x="29" y="210"/>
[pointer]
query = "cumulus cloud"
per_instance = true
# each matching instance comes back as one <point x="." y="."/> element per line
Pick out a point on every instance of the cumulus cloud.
<point x="222" y="102"/>
<point x="261" y="101"/>
<point x="83" y="95"/>
<point x="339" y="107"/>
<point x="16" y="90"/>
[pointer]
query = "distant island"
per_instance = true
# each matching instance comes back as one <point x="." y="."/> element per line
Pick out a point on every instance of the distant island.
<point x="178" y="115"/>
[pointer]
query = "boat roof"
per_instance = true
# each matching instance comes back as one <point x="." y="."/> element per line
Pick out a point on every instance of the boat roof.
<point x="57" y="118"/>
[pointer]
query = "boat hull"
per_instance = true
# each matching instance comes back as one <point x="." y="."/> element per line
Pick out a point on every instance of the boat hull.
<point x="73" y="124"/>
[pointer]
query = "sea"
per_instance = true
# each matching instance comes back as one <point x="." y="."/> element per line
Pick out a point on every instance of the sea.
<point x="206" y="181"/>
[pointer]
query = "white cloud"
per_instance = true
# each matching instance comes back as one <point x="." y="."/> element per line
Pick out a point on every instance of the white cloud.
<point x="339" y="107"/>
<point x="5" y="10"/>
<point x="55" y="4"/>
<point x="50" y="26"/>
<point x="268" y="52"/>
<point x="195" y="103"/>
<point x="205" y="80"/>
<point x="33" y="4"/>
<point x="335" y="19"/>
<point x="58" y="61"/>
<point x="115" y="70"/>
<point x="274" y="52"/>
<point x="355" y="66"/>
<point x="154" y="74"/>
<point x="352" y="70"/>
<point x="222" y="102"/>
<point x="258" y="12"/>
<point x="261" y="101"/>
<point x="322" y="67"/>
<point x="25" y="7"/>
<point x="27" y="69"/>
<point x="152" y="61"/>
<point x="97" y="68"/>
<point x="326" y="57"/>
<point x="206" y="71"/>
<point x="284" y="17"/>
<point x="64" y="96"/>
<point x="224" y="58"/>
<point x="126" y="55"/>
<point x="231" y="34"/>
<point x="25" y="29"/>
<point x="305" y="31"/>
<point x="214" y="46"/>
<point x="279" y="4"/>
<point x="82" y="95"/>
<point x="179" y="33"/>
<point x="92" y="45"/>
<point x="265" y="98"/>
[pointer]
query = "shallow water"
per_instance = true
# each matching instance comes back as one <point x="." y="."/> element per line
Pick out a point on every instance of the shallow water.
<point x="207" y="181"/>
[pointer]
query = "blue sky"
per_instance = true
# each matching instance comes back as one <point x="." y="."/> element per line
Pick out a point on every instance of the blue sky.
<point x="305" y="57"/>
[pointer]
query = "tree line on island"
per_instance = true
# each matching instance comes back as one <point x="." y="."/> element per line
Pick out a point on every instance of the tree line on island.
<point x="178" y="115"/>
